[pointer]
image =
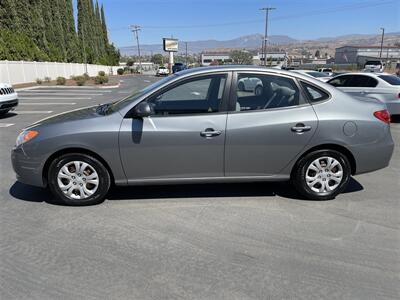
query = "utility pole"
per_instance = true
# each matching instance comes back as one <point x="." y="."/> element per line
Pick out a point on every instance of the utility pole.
<point x="186" y="54"/>
<point x="383" y="34"/>
<point x="264" y="50"/>
<point x="135" y="29"/>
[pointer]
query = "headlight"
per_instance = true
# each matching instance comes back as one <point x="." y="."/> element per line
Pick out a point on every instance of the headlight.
<point x="25" y="136"/>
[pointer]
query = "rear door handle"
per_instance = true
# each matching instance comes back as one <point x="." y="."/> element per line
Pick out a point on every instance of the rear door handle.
<point x="300" y="127"/>
<point x="210" y="132"/>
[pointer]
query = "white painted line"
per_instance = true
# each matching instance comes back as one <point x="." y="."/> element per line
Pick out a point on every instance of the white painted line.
<point x="54" y="98"/>
<point x="61" y="94"/>
<point x="47" y="103"/>
<point x="23" y="112"/>
<point x="2" y="125"/>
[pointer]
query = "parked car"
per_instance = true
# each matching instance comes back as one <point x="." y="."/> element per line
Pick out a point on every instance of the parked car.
<point x="381" y="86"/>
<point x="247" y="84"/>
<point x="328" y="71"/>
<point x="198" y="127"/>
<point x="374" y="66"/>
<point x="178" y="67"/>
<point x="8" y="98"/>
<point x="318" y="75"/>
<point x="162" y="71"/>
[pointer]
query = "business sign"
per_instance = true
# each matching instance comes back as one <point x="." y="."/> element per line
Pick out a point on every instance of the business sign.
<point x="170" y="45"/>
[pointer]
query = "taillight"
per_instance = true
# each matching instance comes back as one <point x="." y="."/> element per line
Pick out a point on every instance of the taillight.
<point x="382" y="115"/>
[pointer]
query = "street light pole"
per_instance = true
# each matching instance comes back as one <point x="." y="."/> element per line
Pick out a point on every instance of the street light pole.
<point x="264" y="50"/>
<point x="186" y="54"/>
<point x="383" y="34"/>
<point x="135" y="29"/>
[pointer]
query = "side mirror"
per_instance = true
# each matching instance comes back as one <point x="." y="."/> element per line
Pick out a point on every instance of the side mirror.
<point x="141" y="110"/>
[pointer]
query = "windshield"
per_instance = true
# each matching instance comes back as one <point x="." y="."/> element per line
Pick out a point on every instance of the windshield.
<point x="115" y="106"/>
<point x="391" y="79"/>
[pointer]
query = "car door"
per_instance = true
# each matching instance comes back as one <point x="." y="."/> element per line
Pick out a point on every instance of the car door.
<point x="266" y="130"/>
<point x="184" y="137"/>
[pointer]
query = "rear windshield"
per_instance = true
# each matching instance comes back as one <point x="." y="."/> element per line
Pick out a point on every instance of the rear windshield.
<point x="317" y="74"/>
<point x="373" y="62"/>
<point x="391" y="79"/>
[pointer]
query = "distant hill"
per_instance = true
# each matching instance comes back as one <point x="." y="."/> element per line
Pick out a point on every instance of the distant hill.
<point x="254" y="41"/>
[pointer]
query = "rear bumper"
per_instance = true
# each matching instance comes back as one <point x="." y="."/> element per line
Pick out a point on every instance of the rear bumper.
<point x="393" y="107"/>
<point x="27" y="169"/>
<point x="373" y="157"/>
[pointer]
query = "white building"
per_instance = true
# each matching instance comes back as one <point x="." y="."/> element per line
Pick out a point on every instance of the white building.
<point x="360" y="54"/>
<point x="208" y="57"/>
<point x="273" y="58"/>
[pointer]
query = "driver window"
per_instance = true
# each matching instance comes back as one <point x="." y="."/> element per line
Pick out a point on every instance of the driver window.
<point x="199" y="95"/>
<point x="259" y="91"/>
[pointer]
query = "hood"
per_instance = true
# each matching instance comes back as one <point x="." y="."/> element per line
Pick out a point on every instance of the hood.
<point x="73" y="115"/>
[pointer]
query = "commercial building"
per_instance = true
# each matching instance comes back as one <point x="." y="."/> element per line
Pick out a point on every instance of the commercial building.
<point x="273" y="58"/>
<point x="222" y="57"/>
<point x="360" y="54"/>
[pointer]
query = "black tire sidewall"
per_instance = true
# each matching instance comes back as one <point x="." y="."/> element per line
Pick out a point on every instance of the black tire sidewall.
<point x="298" y="176"/>
<point x="104" y="179"/>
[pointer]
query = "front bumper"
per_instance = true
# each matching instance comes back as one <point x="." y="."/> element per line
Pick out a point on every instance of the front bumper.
<point x="8" y="105"/>
<point x="27" y="169"/>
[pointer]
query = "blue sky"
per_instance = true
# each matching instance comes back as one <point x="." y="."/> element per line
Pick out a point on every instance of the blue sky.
<point x="191" y="20"/>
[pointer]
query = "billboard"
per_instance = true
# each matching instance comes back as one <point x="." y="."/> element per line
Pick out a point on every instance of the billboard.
<point x="170" y="45"/>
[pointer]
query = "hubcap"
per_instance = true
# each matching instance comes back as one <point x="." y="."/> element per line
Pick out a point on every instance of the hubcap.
<point x="324" y="174"/>
<point x="78" y="180"/>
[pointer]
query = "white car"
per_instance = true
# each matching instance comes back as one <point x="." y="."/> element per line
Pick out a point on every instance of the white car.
<point x="381" y="86"/>
<point x="250" y="84"/>
<point x="317" y="75"/>
<point x="162" y="71"/>
<point x="8" y="98"/>
<point x="328" y="71"/>
<point x="374" y="66"/>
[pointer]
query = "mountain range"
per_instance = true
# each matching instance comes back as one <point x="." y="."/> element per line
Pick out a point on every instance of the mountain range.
<point x="254" y="41"/>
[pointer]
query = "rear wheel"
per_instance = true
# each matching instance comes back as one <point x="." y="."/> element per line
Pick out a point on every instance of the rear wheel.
<point x="4" y="112"/>
<point x="322" y="174"/>
<point x="78" y="179"/>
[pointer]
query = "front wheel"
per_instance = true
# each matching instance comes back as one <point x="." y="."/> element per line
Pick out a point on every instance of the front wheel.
<point x="78" y="179"/>
<point x="322" y="174"/>
<point x="4" y="112"/>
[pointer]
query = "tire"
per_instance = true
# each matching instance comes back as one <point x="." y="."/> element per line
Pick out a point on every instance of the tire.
<point x="4" y="112"/>
<point x="79" y="187"/>
<point x="320" y="184"/>
<point x="241" y="86"/>
<point x="258" y="90"/>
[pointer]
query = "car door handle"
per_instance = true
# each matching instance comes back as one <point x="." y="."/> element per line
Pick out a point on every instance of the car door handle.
<point x="300" y="127"/>
<point x="210" y="132"/>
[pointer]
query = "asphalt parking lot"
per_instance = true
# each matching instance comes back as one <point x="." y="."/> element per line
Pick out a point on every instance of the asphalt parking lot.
<point x="216" y="241"/>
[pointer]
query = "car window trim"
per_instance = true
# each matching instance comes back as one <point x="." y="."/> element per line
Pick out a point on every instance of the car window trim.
<point x="223" y="104"/>
<point x="318" y="88"/>
<point x="233" y="94"/>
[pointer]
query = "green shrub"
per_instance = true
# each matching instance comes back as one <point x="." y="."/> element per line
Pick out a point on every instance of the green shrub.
<point x="61" y="80"/>
<point x="47" y="79"/>
<point x="120" y="71"/>
<point x="86" y="76"/>
<point x="102" y="73"/>
<point x="80" y="80"/>
<point x="101" y="79"/>
<point x="39" y="81"/>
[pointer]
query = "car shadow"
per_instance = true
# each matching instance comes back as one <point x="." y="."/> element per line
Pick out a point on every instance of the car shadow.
<point x="215" y="190"/>
<point x="8" y="115"/>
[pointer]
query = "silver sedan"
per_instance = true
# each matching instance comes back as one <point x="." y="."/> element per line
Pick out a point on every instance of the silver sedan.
<point x="199" y="126"/>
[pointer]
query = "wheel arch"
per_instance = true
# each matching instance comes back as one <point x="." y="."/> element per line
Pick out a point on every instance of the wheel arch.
<point x="335" y="147"/>
<point x="78" y="151"/>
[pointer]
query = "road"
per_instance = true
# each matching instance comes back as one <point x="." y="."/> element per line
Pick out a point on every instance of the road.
<point x="216" y="241"/>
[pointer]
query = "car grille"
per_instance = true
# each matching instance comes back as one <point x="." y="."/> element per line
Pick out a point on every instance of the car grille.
<point x="8" y="104"/>
<point x="5" y="91"/>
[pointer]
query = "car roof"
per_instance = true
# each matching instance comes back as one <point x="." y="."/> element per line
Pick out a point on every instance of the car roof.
<point x="371" y="74"/>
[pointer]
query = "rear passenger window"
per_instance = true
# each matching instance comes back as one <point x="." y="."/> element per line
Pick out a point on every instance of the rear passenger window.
<point x="261" y="91"/>
<point x="314" y="94"/>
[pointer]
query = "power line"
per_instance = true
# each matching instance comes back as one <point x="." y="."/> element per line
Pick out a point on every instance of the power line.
<point x="257" y="21"/>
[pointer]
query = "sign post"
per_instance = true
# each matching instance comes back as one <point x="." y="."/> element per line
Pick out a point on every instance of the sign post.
<point x="170" y="45"/>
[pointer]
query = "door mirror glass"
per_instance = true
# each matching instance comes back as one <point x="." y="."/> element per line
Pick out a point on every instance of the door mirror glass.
<point x="143" y="109"/>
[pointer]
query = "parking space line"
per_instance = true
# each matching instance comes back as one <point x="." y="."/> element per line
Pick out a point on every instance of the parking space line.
<point x="54" y="98"/>
<point x="2" y="125"/>
<point x="23" y="112"/>
<point x="47" y="103"/>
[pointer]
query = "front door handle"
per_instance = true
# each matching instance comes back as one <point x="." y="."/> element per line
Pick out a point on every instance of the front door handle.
<point x="300" y="127"/>
<point x="210" y="132"/>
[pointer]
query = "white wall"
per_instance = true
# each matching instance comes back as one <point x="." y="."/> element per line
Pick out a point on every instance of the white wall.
<point x="15" y="72"/>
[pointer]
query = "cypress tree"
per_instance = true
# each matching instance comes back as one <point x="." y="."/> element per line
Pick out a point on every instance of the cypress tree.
<point x="9" y="18"/>
<point x="104" y="26"/>
<point x="73" y="52"/>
